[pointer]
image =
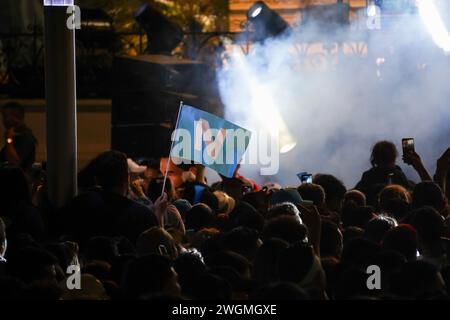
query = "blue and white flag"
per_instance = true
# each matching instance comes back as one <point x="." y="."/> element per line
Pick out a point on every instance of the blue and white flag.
<point x="209" y="140"/>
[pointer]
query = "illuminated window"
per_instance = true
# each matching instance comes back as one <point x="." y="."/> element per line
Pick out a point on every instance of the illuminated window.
<point x="58" y="2"/>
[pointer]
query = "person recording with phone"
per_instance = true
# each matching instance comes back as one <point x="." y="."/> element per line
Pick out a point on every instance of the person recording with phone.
<point x="413" y="159"/>
<point x="384" y="171"/>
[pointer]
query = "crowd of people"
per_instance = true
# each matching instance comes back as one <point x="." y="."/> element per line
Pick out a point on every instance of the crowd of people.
<point x="124" y="237"/>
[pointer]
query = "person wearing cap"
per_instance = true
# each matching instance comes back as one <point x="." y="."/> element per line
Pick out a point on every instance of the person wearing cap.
<point x="308" y="213"/>
<point x="108" y="211"/>
<point x="287" y="195"/>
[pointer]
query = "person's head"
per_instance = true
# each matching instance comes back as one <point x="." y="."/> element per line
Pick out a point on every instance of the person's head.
<point x="13" y="115"/>
<point x="390" y="262"/>
<point x="417" y="280"/>
<point x="402" y="239"/>
<point x="174" y="222"/>
<point x="189" y="267"/>
<point x="352" y="232"/>
<point x="112" y="172"/>
<point x="287" y="228"/>
<point x="231" y="259"/>
<point x="312" y="192"/>
<point x="101" y="248"/>
<point x="285" y="195"/>
<point x="33" y="264"/>
<point x="156" y="240"/>
<point x="151" y="274"/>
<point x="246" y="215"/>
<point x="428" y="194"/>
<point x="87" y="175"/>
<point x="207" y="197"/>
<point x="258" y="200"/>
<point x="98" y="268"/>
<point x="429" y="225"/>
<point x="299" y="264"/>
<point x="234" y="187"/>
<point x="331" y="240"/>
<point x="212" y="287"/>
<point x="393" y="191"/>
<point x="66" y="253"/>
<point x="207" y="240"/>
<point x="356" y="197"/>
<point x="152" y="170"/>
<point x="334" y="190"/>
<point x="198" y="193"/>
<point x="358" y="251"/>
<point x="377" y="227"/>
<point x="183" y="206"/>
<point x="394" y="200"/>
<point x="243" y="240"/>
<point x="357" y="216"/>
<point x="240" y="286"/>
<point x="265" y="265"/>
<point x="154" y="189"/>
<point x="3" y="243"/>
<point x="384" y="154"/>
<point x="90" y="289"/>
<point x="226" y="203"/>
<point x="351" y="284"/>
<point x="284" y="209"/>
<point x="198" y="217"/>
<point x="174" y="173"/>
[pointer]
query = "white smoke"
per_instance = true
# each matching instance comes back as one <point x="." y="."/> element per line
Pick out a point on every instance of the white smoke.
<point x="337" y="111"/>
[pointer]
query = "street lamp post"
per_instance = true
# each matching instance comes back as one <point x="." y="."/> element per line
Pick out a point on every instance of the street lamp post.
<point x="60" y="91"/>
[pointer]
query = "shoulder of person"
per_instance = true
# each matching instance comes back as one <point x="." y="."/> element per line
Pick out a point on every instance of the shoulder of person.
<point x="83" y="198"/>
<point x="368" y="173"/>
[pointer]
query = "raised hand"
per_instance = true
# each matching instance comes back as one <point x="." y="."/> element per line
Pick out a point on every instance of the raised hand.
<point x="160" y="208"/>
<point x="413" y="159"/>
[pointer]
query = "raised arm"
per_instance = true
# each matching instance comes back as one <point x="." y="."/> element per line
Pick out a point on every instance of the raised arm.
<point x="413" y="159"/>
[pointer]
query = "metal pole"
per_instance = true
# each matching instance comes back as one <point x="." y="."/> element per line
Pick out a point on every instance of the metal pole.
<point x="60" y="91"/>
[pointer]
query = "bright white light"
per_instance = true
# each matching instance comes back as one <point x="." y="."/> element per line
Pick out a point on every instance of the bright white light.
<point x="287" y="147"/>
<point x="256" y="12"/>
<point x="434" y="24"/>
<point x="380" y="61"/>
<point x="372" y="10"/>
<point x="263" y="107"/>
<point x="56" y="3"/>
<point x="268" y="116"/>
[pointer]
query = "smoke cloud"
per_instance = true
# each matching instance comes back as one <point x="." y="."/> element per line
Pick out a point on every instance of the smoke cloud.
<point x="336" y="106"/>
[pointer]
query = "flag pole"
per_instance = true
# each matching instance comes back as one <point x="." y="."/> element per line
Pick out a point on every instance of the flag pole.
<point x="170" y="151"/>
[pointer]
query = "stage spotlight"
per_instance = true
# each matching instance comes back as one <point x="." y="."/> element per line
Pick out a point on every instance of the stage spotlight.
<point x="266" y="22"/>
<point x="162" y="34"/>
<point x="434" y="24"/>
<point x="263" y="107"/>
<point x="255" y="11"/>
